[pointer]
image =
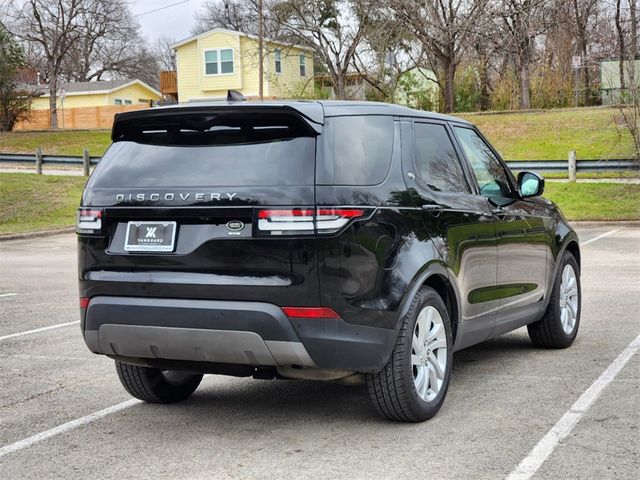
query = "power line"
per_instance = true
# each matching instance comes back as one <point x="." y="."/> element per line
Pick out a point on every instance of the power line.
<point x="161" y="8"/>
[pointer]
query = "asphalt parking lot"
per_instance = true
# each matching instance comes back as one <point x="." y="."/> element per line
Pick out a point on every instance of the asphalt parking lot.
<point x="504" y="398"/>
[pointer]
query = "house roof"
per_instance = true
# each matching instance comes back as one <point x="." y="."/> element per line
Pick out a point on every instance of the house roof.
<point x="234" y="32"/>
<point x="103" y="86"/>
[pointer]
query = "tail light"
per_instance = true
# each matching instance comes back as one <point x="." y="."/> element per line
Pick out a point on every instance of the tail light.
<point x="310" y="312"/>
<point x="305" y="220"/>
<point x="89" y="221"/>
<point x="84" y="302"/>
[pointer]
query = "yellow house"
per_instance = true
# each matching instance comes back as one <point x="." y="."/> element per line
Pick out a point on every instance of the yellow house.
<point x="218" y="60"/>
<point x="103" y="93"/>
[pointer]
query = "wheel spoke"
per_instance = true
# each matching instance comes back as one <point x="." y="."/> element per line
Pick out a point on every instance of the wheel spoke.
<point x="434" y="332"/>
<point x="421" y="379"/>
<point x="416" y="360"/>
<point x="435" y="366"/>
<point x="416" y="345"/>
<point x="433" y="380"/>
<point x="437" y="343"/>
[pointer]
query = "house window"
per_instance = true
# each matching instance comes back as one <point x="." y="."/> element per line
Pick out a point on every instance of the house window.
<point x="218" y="62"/>
<point x="118" y="101"/>
<point x="128" y="102"/>
<point x="303" y="67"/>
<point x="278" y="57"/>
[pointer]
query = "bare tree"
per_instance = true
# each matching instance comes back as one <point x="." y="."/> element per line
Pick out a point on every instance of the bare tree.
<point x="385" y="53"/>
<point x="237" y="15"/>
<point x="163" y="53"/>
<point x="619" y="19"/>
<point x="108" y="41"/>
<point x="584" y="13"/>
<point x="53" y="28"/>
<point x="333" y="28"/>
<point x="523" y="21"/>
<point x="444" y="27"/>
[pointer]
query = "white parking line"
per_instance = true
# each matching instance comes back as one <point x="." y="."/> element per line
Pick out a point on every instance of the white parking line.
<point x="38" y="330"/>
<point x="600" y="236"/>
<point x="545" y="447"/>
<point x="65" y="427"/>
<point x="7" y="295"/>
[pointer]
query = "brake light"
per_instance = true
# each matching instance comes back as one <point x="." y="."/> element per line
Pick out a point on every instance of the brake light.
<point x="310" y="312"/>
<point x="303" y="220"/>
<point x="84" y="302"/>
<point x="89" y="221"/>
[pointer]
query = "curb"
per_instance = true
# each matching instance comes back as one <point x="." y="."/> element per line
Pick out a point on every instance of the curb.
<point x="39" y="233"/>
<point x="605" y="223"/>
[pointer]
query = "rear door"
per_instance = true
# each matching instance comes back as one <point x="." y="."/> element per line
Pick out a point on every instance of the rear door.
<point x="234" y="187"/>
<point x="520" y="229"/>
<point x="459" y="221"/>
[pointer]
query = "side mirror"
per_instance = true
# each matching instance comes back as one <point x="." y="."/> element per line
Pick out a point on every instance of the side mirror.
<point x="530" y="184"/>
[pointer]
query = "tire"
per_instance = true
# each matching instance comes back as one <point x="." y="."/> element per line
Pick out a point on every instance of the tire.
<point x="394" y="390"/>
<point x="559" y="326"/>
<point x="155" y="386"/>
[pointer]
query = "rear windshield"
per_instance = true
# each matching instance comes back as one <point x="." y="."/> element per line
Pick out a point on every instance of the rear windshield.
<point x="209" y="150"/>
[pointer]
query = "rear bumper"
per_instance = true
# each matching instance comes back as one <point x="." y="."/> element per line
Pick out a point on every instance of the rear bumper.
<point x="230" y="332"/>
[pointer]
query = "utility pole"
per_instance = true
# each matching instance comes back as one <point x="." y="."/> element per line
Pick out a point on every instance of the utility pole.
<point x="260" y="50"/>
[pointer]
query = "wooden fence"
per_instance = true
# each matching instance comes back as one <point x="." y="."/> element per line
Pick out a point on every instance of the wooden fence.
<point x="81" y="117"/>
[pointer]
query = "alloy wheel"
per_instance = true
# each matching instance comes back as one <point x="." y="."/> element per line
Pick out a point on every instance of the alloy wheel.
<point x="568" y="299"/>
<point x="429" y="353"/>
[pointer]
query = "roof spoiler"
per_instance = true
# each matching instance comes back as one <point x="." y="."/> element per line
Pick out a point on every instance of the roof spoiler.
<point x="235" y="96"/>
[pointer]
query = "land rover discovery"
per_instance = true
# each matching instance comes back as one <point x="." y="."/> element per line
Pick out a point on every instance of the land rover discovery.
<point x="341" y="241"/>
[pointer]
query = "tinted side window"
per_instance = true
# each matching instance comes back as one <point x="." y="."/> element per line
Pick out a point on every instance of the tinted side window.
<point x="489" y="172"/>
<point x="355" y="150"/>
<point x="436" y="160"/>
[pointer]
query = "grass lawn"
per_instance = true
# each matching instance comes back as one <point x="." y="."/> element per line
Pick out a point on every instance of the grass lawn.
<point x="61" y="142"/>
<point x="596" y="201"/>
<point x="593" y="132"/>
<point x="31" y="202"/>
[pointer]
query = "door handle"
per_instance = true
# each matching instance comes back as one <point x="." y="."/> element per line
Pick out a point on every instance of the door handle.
<point x="432" y="207"/>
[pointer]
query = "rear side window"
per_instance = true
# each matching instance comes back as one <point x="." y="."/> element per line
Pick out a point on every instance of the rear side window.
<point x="437" y="163"/>
<point x="214" y="149"/>
<point x="355" y="150"/>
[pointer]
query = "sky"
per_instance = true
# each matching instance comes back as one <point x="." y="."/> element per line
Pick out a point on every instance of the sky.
<point x="171" y="18"/>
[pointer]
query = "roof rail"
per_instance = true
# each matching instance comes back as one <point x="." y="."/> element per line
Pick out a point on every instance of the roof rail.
<point x="235" y="96"/>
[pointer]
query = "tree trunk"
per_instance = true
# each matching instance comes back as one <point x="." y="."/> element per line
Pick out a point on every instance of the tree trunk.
<point x="449" y="93"/>
<point x="585" y="74"/>
<point x="339" y="88"/>
<point x="525" y="99"/>
<point x="53" y="109"/>
<point x="621" y="49"/>
<point x="633" y="47"/>
<point x="483" y="74"/>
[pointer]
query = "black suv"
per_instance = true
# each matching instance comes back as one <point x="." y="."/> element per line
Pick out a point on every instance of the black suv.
<point x="343" y="241"/>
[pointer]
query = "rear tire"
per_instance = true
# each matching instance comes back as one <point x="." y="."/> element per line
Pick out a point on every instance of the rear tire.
<point x="413" y="384"/>
<point x="155" y="386"/>
<point x="559" y="326"/>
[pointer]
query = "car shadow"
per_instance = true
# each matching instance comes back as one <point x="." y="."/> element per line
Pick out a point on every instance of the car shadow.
<point x="244" y="402"/>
